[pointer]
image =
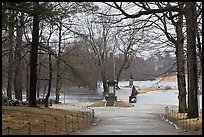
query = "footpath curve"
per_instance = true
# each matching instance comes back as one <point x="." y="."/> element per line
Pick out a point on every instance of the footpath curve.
<point x="140" y="119"/>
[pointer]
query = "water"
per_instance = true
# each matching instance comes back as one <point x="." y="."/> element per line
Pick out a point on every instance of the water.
<point x="146" y="84"/>
<point x="76" y="94"/>
<point x="167" y="97"/>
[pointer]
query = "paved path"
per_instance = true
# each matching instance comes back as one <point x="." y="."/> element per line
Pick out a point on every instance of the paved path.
<point x="137" y="120"/>
<point x="141" y="119"/>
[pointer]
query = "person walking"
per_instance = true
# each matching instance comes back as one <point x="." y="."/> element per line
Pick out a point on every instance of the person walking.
<point x="132" y="97"/>
<point x="134" y="91"/>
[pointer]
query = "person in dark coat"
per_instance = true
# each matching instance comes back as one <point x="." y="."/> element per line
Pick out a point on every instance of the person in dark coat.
<point x="134" y="91"/>
<point x="132" y="97"/>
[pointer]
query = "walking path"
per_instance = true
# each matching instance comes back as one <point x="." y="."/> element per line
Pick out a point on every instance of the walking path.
<point x="140" y="119"/>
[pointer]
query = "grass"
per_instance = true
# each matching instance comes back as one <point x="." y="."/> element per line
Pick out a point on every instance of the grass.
<point x="144" y="90"/>
<point x="168" y="78"/>
<point x="121" y="103"/>
<point x="118" y="103"/>
<point x="190" y="124"/>
<point x="42" y="120"/>
<point x="100" y="103"/>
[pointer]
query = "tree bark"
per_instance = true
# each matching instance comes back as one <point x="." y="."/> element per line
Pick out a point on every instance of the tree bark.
<point x="58" y="64"/>
<point x="102" y="64"/>
<point x="199" y="46"/>
<point x="18" y="69"/>
<point x="33" y="56"/>
<point x="27" y="81"/>
<point x="50" y="81"/>
<point x="180" y="59"/>
<point x="10" y="68"/>
<point x="191" y="22"/>
<point x="38" y="80"/>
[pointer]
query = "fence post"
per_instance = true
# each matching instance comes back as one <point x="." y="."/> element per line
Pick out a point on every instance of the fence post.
<point x="90" y="116"/>
<point x="87" y="119"/>
<point x="84" y="108"/>
<point x="29" y="128"/>
<point x="8" y="130"/>
<point x="173" y="118"/>
<point x="197" y="125"/>
<point x="55" y="125"/>
<point x="87" y="108"/>
<point x="83" y="119"/>
<point x="65" y="125"/>
<point x="170" y="113"/>
<point x="183" y="119"/>
<point x="93" y="115"/>
<point x="44" y="126"/>
<point x="177" y="118"/>
<point x="72" y="122"/>
<point x="186" y="123"/>
<point x="166" y="112"/>
<point x="77" y="121"/>
<point x="189" y="122"/>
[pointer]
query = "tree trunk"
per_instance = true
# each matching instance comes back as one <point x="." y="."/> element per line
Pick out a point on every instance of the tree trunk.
<point x="105" y="87"/>
<point x="10" y="68"/>
<point x="191" y="22"/>
<point x="180" y="59"/>
<point x="18" y="70"/>
<point x="50" y="81"/>
<point x="33" y="56"/>
<point x="38" y="80"/>
<point x="121" y="68"/>
<point x="58" y="65"/>
<point x="103" y="75"/>
<point x="199" y="46"/>
<point x="27" y="81"/>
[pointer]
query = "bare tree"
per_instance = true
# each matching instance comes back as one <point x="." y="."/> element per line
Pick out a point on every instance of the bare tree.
<point x="198" y="37"/>
<point x="11" y="43"/>
<point x="33" y="55"/>
<point x="178" y="42"/>
<point x="180" y="61"/>
<point x="51" y="31"/>
<point x="18" y="70"/>
<point x="190" y="14"/>
<point x="128" y="40"/>
<point x="191" y="26"/>
<point x="97" y="37"/>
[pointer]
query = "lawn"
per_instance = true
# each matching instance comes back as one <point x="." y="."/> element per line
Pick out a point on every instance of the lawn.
<point x="43" y="121"/>
<point x="189" y="124"/>
<point x="118" y="103"/>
